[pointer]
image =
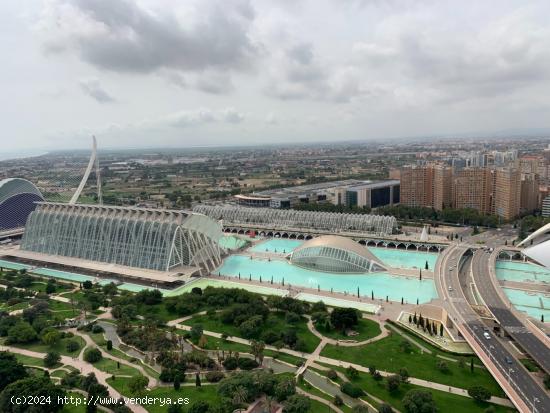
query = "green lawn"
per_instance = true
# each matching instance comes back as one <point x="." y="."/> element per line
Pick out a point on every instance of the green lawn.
<point x="387" y="355"/>
<point x="445" y="401"/>
<point x="316" y="392"/>
<point x="214" y="343"/>
<point x="288" y="358"/>
<point x="59" y="308"/>
<point x="207" y="393"/>
<point x="110" y="366"/>
<point x="366" y="329"/>
<point x="28" y="360"/>
<point x="60" y="347"/>
<point x="275" y="322"/>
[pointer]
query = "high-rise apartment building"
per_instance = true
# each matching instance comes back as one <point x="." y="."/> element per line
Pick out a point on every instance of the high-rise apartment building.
<point x="507" y="193"/>
<point x="546" y="207"/>
<point x="529" y="199"/>
<point x="487" y="190"/>
<point x="472" y="188"/>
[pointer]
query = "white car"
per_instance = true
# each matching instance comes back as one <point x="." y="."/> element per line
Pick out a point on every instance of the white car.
<point x="486" y="335"/>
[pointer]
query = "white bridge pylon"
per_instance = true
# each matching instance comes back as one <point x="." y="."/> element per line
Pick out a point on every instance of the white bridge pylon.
<point x="93" y="161"/>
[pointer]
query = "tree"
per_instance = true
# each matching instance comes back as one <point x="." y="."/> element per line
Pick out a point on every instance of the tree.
<point x="50" y="286"/>
<point x="11" y="370"/>
<point x="547" y="381"/>
<point x="338" y="401"/>
<point x="176" y="383"/>
<point x="22" y="332"/>
<point x="344" y="318"/>
<point x="393" y="382"/>
<point x="87" y="285"/>
<point x="404" y="375"/>
<point x="197" y="380"/>
<point x="284" y="389"/>
<point x="196" y="331"/>
<point x="51" y="359"/>
<point x="200" y="406"/>
<point x="203" y="341"/>
<point x="372" y="369"/>
<point x="109" y="344"/>
<point x="352" y="373"/>
<point x="92" y="355"/>
<point x="51" y="337"/>
<point x="72" y="346"/>
<point x="176" y="408"/>
<point x="137" y="384"/>
<point x="479" y="393"/>
<point x="297" y="404"/>
<point x="32" y="387"/>
<point x="360" y="408"/>
<point x="419" y="401"/>
<point x="351" y="390"/>
<point x="257" y="348"/>
<point x="385" y="408"/>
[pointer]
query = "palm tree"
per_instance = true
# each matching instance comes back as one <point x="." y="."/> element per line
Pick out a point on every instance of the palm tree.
<point x="240" y="397"/>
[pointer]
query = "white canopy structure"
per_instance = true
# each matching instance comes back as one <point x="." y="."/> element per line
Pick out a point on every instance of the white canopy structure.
<point x="539" y="250"/>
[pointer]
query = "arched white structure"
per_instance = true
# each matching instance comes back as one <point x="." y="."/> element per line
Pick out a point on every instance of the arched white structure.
<point x="144" y="238"/>
<point x="542" y="232"/>
<point x="93" y="161"/>
<point x="18" y="199"/>
<point x="331" y="253"/>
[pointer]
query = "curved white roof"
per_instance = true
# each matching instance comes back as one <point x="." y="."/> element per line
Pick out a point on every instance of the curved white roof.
<point x="544" y="230"/>
<point x="14" y="186"/>
<point x="540" y="253"/>
<point x="338" y="242"/>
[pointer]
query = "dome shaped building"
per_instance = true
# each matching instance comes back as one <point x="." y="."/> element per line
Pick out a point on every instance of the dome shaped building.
<point x="18" y="199"/>
<point x="331" y="253"/>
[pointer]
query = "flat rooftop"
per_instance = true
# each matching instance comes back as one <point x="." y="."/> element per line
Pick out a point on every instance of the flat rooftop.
<point x="177" y="274"/>
<point x="296" y="190"/>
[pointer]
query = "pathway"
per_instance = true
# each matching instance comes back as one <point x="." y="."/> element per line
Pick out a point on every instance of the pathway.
<point x="319" y="399"/>
<point x="315" y="356"/>
<point x="85" y="369"/>
<point x="91" y="343"/>
<point x="419" y="382"/>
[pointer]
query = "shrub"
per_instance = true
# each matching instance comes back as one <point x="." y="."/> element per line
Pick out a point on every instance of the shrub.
<point x="392" y="383"/>
<point x="214" y="376"/>
<point x="247" y="364"/>
<point x="351" y="390"/>
<point x="72" y="346"/>
<point x="331" y="374"/>
<point x="97" y="329"/>
<point x="338" y="401"/>
<point x="385" y="408"/>
<point x="352" y="373"/>
<point x="479" y="393"/>
<point x="92" y="355"/>
<point x="442" y="366"/>
<point x="51" y="359"/>
<point x="419" y="401"/>
<point x="109" y="344"/>
<point x="230" y="363"/>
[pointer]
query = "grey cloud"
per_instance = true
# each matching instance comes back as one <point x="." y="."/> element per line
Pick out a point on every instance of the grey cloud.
<point x="199" y="117"/>
<point x="121" y="36"/>
<point x="214" y="82"/>
<point x="93" y="88"/>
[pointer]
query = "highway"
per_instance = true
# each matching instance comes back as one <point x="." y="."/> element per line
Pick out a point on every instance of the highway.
<point x="534" y="346"/>
<point x="526" y="394"/>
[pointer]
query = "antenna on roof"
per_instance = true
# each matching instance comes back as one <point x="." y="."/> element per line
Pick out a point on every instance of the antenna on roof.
<point x="93" y="160"/>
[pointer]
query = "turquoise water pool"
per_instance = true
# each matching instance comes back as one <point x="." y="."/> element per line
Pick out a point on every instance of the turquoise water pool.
<point x="277" y="245"/>
<point x="381" y="284"/>
<point x="535" y="304"/>
<point x="13" y="265"/>
<point x="522" y="272"/>
<point x="389" y="256"/>
<point x="405" y="259"/>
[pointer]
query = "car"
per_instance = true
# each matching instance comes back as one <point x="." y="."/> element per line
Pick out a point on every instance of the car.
<point x="450" y="288"/>
<point x="486" y="335"/>
<point x="508" y="360"/>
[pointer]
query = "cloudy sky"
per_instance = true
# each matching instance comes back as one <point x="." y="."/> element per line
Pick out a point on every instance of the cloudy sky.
<point x="152" y="73"/>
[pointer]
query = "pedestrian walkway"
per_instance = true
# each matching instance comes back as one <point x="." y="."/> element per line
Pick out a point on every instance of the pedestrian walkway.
<point x="85" y="369"/>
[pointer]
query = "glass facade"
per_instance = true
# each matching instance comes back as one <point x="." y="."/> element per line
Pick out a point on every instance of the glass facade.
<point x="18" y="199"/>
<point x="134" y="237"/>
<point x="331" y="259"/>
<point x="277" y="218"/>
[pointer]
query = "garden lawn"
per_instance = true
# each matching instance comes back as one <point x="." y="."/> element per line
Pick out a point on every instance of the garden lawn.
<point x="59" y="308"/>
<point x="366" y="329"/>
<point x="275" y="322"/>
<point x="28" y="360"/>
<point x="73" y="407"/>
<point x="446" y="402"/>
<point x="207" y="393"/>
<point x="386" y="355"/>
<point x="110" y="366"/>
<point x="60" y="347"/>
